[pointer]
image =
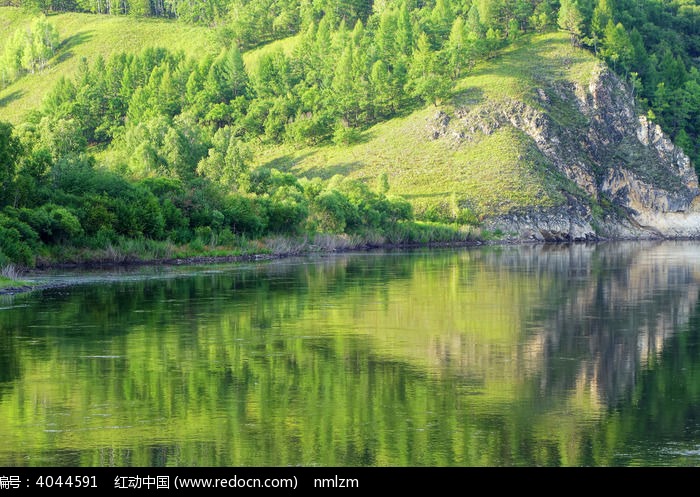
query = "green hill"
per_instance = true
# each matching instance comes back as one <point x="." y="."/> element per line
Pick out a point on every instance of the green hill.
<point x="90" y="36"/>
<point x="533" y="141"/>
<point x="492" y="172"/>
<point x="362" y="134"/>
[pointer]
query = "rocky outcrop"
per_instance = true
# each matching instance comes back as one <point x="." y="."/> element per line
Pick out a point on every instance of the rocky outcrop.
<point x="566" y="224"/>
<point x="633" y="182"/>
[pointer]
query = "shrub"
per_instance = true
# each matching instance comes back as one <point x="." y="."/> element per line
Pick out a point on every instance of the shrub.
<point x="245" y="215"/>
<point x="330" y="211"/>
<point x="14" y="244"/>
<point x="287" y="210"/>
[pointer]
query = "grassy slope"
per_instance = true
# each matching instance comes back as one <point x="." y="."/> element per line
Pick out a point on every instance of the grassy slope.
<point x="88" y="35"/>
<point x="491" y="173"/>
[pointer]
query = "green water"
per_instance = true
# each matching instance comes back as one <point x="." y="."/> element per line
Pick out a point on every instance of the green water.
<point x="584" y="355"/>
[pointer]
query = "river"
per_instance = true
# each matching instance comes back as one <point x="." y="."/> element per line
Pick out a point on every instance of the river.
<point x="532" y="355"/>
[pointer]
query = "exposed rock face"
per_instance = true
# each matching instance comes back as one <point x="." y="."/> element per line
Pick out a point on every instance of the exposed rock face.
<point x="566" y="224"/>
<point x="633" y="181"/>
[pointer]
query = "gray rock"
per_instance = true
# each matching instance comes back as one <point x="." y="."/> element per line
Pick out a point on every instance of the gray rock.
<point x="628" y="171"/>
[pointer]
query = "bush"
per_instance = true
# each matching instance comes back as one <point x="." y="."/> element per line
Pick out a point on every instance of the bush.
<point x="65" y="226"/>
<point x="173" y="218"/>
<point x="226" y="237"/>
<point x="126" y="218"/>
<point x="197" y="245"/>
<point x="346" y="135"/>
<point x="330" y="212"/>
<point x="39" y="220"/>
<point x="398" y="209"/>
<point x="13" y="243"/>
<point x="149" y="216"/>
<point x="245" y="215"/>
<point x="97" y="214"/>
<point x="286" y="210"/>
<point x="203" y="234"/>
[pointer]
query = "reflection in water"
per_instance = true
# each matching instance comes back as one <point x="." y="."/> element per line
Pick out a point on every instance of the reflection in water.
<point x="493" y="356"/>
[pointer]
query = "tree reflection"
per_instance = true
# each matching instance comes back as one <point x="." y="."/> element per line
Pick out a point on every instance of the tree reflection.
<point x="493" y="356"/>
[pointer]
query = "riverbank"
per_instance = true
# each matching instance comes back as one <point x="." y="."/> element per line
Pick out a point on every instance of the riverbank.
<point x="272" y="249"/>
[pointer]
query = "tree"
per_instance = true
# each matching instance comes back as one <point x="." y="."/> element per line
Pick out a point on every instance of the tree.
<point x="617" y="46"/>
<point x="602" y="14"/>
<point x="571" y="20"/>
<point x="474" y="26"/>
<point x="384" y="99"/>
<point x="457" y="48"/>
<point x="386" y="38"/>
<point x="10" y="152"/>
<point x="344" y="82"/>
<point x="382" y="186"/>
<point x="28" y="50"/>
<point x="230" y="73"/>
<point x="42" y="6"/>
<point x="44" y="41"/>
<point x="441" y="19"/>
<point x="228" y="159"/>
<point x="428" y="78"/>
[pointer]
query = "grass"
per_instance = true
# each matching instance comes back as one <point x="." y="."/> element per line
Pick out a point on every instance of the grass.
<point x="91" y="35"/>
<point x="10" y="278"/>
<point x="492" y="172"/>
<point x="286" y="46"/>
<point x="7" y="283"/>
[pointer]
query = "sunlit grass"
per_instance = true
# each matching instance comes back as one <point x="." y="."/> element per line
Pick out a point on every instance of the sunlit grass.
<point x="488" y="173"/>
<point x="10" y="277"/>
<point x="90" y="35"/>
<point x="285" y="46"/>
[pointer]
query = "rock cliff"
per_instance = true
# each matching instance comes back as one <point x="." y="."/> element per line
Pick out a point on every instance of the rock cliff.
<point x="624" y="176"/>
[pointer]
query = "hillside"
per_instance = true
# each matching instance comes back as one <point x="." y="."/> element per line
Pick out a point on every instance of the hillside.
<point x="541" y="130"/>
<point x="90" y="36"/>
<point x="489" y="172"/>
<point x="448" y="129"/>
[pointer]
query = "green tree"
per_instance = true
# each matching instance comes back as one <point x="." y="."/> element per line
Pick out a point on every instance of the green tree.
<point x="457" y="48"/>
<point x="228" y="160"/>
<point x="428" y="78"/>
<point x="617" y="46"/>
<point x="385" y="100"/>
<point x="346" y="99"/>
<point x="602" y="14"/>
<point x="571" y="19"/>
<point x="441" y="20"/>
<point x="10" y="153"/>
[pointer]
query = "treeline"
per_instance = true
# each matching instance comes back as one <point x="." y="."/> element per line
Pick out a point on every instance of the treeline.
<point x="49" y="202"/>
<point x="654" y="45"/>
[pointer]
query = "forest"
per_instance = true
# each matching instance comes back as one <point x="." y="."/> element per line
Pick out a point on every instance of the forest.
<point x="149" y="154"/>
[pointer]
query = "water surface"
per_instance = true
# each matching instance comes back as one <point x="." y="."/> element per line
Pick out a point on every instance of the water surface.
<point x="554" y="355"/>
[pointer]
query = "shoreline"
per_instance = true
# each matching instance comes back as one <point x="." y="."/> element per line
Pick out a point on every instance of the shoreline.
<point x="204" y="260"/>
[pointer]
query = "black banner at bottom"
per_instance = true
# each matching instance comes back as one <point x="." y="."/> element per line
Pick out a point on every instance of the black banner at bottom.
<point x="288" y="480"/>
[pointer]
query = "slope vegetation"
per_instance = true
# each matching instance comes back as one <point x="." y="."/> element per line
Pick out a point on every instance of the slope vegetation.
<point x="90" y="36"/>
<point x="487" y="169"/>
<point x="543" y="142"/>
